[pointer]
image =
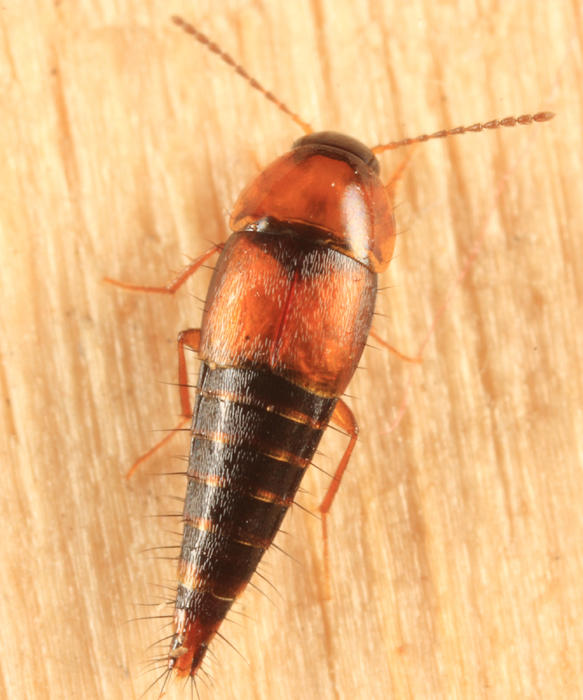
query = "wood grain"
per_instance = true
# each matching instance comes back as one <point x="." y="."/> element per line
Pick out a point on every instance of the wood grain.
<point x="457" y="539"/>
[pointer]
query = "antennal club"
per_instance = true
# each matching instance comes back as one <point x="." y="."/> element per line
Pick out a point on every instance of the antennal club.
<point x="494" y="124"/>
<point x="216" y="49"/>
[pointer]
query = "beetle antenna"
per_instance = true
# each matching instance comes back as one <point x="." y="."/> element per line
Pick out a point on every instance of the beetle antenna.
<point x="216" y="49"/>
<point x="494" y="124"/>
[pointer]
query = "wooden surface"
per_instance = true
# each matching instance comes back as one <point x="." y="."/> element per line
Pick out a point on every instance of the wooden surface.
<point x="457" y="539"/>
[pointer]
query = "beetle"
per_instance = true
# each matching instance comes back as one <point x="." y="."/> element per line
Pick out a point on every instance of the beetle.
<point x="286" y="319"/>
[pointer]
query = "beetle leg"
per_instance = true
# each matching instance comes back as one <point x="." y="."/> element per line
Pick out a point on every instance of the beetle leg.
<point x="344" y="419"/>
<point x="191" y="339"/>
<point x="146" y="456"/>
<point x="397" y="174"/>
<point x="176" y="283"/>
<point x="417" y="359"/>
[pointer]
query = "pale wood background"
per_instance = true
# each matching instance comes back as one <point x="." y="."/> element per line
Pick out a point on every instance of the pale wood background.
<point x="457" y="540"/>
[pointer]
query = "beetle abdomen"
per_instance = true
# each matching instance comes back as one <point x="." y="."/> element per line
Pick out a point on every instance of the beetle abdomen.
<point x="254" y="434"/>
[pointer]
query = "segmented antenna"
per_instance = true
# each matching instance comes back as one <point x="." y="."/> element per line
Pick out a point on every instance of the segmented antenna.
<point x="494" y="124"/>
<point x="215" y="48"/>
<point x="380" y="148"/>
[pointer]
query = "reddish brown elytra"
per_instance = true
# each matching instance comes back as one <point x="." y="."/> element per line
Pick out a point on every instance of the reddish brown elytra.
<point x="286" y="319"/>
